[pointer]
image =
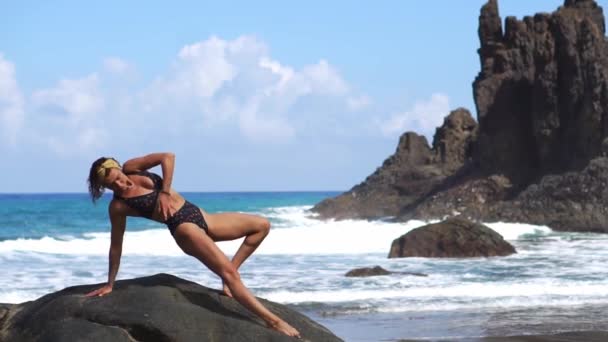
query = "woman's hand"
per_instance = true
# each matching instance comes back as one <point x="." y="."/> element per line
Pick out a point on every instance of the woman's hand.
<point x="164" y="205"/>
<point x="100" y="292"/>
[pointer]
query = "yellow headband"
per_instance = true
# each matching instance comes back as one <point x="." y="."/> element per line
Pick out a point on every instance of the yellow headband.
<point x="106" y="165"/>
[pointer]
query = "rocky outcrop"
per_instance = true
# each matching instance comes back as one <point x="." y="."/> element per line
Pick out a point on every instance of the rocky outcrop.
<point x="542" y="107"/>
<point x="4" y="309"/>
<point x="452" y="238"/>
<point x="573" y="201"/>
<point x="156" y="308"/>
<point x="377" y="271"/>
<point x="542" y="92"/>
<point x="408" y="175"/>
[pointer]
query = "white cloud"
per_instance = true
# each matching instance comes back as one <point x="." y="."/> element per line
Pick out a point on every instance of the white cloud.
<point x="66" y="139"/>
<point x="116" y="65"/>
<point x="358" y="102"/>
<point x="213" y="87"/>
<point x="323" y="78"/>
<point x="318" y="79"/>
<point x="236" y="82"/>
<point x="262" y="129"/>
<point x="203" y="67"/>
<point x="11" y="102"/>
<point x="423" y="118"/>
<point x="74" y="98"/>
<point x="69" y="116"/>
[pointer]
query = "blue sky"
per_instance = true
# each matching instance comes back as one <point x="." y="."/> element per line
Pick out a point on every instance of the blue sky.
<point x="251" y="96"/>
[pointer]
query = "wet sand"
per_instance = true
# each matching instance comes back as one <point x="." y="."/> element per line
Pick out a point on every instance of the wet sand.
<point x="575" y="336"/>
<point x="584" y="323"/>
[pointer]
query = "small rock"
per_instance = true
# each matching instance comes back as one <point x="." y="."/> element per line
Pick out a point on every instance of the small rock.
<point x="367" y="272"/>
<point x="378" y="271"/>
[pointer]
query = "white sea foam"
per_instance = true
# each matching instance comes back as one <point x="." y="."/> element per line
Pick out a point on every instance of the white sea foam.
<point x="148" y="242"/>
<point x="496" y="304"/>
<point x="451" y="297"/>
<point x="464" y="292"/>
<point x="514" y="231"/>
<point x="296" y="233"/>
<point x="19" y="296"/>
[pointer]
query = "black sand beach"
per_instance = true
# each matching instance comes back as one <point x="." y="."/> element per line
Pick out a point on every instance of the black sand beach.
<point x="582" y="323"/>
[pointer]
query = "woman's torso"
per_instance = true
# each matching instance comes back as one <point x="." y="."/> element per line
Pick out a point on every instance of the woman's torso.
<point x="143" y="196"/>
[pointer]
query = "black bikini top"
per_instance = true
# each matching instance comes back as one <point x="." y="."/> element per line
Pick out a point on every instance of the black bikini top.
<point x="145" y="204"/>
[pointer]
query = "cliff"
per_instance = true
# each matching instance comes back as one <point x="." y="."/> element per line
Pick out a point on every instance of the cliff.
<point x="535" y="153"/>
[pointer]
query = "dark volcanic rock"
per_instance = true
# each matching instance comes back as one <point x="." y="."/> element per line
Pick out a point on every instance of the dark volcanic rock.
<point x="367" y="272"/>
<point x="542" y="106"/>
<point x="377" y="271"/>
<point x="156" y="308"/>
<point x="453" y="238"/>
<point x="542" y="92"/>
<point x="4" y="308"/>
<point x="474" y="198"/>
<point x="411" y="173"/>
<point x="572" y="201"/>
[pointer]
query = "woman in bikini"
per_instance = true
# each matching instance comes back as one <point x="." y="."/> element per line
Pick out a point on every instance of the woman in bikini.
<point x="138" y="192"/>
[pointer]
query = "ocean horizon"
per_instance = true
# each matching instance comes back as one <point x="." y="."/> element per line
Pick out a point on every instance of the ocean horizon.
<point x="556" y="282"/>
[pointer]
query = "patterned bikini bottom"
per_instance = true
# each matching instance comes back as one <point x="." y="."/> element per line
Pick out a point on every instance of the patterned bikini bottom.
<point x="187" y="213"/>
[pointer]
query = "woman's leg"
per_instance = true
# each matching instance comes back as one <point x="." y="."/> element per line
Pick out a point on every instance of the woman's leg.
<point x="193" y="241"/>
<point x="232" y="226"/>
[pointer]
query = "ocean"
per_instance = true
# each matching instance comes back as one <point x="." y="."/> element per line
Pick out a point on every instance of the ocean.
<point x="556" y="282"/>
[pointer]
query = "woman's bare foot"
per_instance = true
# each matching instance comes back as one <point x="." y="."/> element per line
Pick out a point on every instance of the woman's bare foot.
<point x="226" y="290"/>
<point x="283" y="327"/>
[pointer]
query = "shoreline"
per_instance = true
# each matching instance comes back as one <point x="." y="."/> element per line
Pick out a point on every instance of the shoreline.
<point x="563" y="323"/>
<point x="587" y="336"/>
<point x="570" y="336"/>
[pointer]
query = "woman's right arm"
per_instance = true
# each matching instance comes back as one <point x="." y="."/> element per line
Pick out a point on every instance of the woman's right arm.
<point x="118" y="220"/>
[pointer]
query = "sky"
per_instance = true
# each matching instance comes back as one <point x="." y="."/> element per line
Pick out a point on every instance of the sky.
<point x="250" y="96"/>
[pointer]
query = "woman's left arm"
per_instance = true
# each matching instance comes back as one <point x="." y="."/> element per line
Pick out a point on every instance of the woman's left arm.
<point x="167" y="163"/>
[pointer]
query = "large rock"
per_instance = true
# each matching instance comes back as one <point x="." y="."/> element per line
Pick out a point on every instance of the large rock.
<point x="411" y="173"/>
<point x="453" y="238"/>
<point x="542" y="106"/>
<point x="542" y="92"/>
<point x="4" y="309"/>
<point x="474" y="198"/>
<point x="572" y="201"/>
<point x="156" y="308"/>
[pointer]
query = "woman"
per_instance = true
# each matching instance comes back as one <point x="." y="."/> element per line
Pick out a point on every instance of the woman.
<point x="138" y="192"/>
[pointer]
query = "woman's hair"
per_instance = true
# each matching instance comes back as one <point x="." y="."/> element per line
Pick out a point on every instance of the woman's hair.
<point x="96" y="188"/>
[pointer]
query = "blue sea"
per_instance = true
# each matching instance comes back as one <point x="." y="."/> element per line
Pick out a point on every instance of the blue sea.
<point x="556" y="282"/>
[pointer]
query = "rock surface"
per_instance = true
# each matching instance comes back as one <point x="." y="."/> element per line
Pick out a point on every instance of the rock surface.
<point x="4" y="308"/>
<point x="572" y="201"/>
<point x="542" y="92"/>
<point x="156" y="308"/>
<point x="377" y="271"/>
<point x="538" y="153"/>
<point x="408" y="175"/>
<point x="367" y="272"/>
<point x="453" y="238"/>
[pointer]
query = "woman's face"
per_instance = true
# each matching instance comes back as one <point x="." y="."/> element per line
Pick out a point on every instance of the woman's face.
<point x="116" y="180"/>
